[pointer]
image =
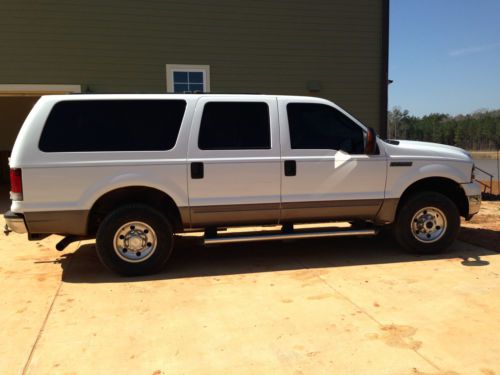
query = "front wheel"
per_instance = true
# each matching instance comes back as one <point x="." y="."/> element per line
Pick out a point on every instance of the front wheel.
<point x="427" y="223"/>
<point x="134" y="240"/>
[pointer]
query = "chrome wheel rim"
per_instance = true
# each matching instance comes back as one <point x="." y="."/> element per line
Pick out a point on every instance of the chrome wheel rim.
<point x="135" y="242"/>
<point x="428" y="225"/>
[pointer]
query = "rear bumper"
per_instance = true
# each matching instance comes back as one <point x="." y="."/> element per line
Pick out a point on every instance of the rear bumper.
<point x="15" y="222"/>
<point x="44" y="223"/>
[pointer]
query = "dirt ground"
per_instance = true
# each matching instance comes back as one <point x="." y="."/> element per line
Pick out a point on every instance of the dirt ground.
<point x="329" y="306"/>
<point x="484" y="154"/>
<point x="494" y="187"/>
<point x="484" y="228"/>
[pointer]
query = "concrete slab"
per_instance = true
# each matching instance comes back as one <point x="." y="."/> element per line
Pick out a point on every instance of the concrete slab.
<point x="29" y="277"/>
<point x="342" y="306"/>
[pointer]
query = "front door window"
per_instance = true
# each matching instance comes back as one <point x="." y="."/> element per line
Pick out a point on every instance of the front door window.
<point x="319" y="126"/>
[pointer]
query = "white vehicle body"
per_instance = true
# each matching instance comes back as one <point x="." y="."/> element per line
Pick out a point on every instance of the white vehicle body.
<point x="238" y="187"/>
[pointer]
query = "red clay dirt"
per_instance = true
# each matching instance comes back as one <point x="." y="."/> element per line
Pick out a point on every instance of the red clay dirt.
<point x="484" y="228"/>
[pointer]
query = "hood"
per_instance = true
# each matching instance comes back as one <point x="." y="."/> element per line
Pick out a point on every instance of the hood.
<point x="426" y="149"/>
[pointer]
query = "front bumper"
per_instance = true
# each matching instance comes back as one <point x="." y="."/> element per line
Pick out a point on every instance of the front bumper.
<point x="474" y="204"/>
<point x="473" y="193"/>
<point x="15" y="222"/>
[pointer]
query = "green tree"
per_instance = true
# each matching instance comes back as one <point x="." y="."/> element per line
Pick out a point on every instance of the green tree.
<point x="476" y="131"/>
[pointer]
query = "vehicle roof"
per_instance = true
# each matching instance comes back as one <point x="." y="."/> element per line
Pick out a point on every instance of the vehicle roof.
<point x="176" y="96"/>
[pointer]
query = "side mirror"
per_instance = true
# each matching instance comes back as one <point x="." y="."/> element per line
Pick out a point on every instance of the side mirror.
<point x="371" y="142"/>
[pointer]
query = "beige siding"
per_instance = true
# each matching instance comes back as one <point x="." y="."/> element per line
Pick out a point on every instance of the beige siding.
<point x="272" y="47"/>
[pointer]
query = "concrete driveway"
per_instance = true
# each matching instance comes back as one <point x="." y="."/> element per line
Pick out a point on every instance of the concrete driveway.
<point x="332" y="306"/>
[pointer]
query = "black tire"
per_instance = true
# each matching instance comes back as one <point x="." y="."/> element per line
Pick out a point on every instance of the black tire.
<point x="402" y="228"/>
<point x="135" y="213"/>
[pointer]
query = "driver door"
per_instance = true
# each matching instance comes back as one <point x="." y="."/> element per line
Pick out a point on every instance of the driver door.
<point x="325" y="173"/>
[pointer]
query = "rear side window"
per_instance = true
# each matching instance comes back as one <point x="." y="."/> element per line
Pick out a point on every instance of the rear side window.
<point x="319" y="126"/>
<point x="112" y="125"/>
<point x="235" y="126"/>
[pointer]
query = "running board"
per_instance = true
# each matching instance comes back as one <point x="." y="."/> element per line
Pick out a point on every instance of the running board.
<point x="288" y="236"/>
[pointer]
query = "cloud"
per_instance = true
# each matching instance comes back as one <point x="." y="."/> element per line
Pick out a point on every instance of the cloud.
<point x="473" y="49"/>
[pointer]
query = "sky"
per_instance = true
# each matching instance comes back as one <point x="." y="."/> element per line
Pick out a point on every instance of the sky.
<point x="444" y="55"/>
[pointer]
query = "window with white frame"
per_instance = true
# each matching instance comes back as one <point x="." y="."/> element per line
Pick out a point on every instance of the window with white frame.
<point x="188" y="78"/>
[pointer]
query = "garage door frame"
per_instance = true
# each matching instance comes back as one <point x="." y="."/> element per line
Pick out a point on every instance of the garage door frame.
<point x="23" y="90"/>
<point x="37" y="89"/>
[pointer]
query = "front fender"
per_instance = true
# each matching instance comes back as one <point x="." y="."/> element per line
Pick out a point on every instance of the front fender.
<point x="399" y="178"/>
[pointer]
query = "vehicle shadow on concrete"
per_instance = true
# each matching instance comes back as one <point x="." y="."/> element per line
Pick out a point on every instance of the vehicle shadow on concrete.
<point x="484" y="237"/>
<point x="191" y="259"/>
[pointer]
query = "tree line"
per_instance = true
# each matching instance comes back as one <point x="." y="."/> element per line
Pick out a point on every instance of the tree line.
<point x="476" y="131"/>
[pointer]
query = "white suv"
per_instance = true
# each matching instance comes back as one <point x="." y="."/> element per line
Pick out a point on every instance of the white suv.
<point x="133" y="170"/>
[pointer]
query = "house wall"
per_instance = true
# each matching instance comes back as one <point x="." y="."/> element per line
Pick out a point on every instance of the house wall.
<point x="273" y="47"/>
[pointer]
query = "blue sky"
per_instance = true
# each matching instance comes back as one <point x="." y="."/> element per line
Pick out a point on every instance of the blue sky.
<point x="444" y="55"/>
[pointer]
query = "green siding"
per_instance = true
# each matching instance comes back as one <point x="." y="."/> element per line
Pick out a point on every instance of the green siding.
<point x="271" y="47"/>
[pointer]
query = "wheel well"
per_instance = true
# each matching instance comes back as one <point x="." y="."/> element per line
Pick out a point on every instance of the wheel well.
<point x="441" y="185"/>
<point x="133" y="194"/>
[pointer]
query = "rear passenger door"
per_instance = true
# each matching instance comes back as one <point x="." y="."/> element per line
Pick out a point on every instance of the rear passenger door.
<point x="234" y="161"/>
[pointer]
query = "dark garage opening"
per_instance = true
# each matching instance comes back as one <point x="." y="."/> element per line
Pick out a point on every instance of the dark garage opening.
<point x="13" y="111"/>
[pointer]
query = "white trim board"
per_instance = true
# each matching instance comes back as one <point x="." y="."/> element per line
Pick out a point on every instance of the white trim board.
<point x="38" y="89"/>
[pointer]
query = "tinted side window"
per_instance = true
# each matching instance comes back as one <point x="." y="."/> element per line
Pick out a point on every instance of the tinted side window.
<point x="112" y="125"/>
<point x="235" y="126"/>
<point x="319" y="126"/>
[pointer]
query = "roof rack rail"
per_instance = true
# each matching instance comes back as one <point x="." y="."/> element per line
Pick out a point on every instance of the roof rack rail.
<point x="219" y="93"/>
<point x="171" y="93"/>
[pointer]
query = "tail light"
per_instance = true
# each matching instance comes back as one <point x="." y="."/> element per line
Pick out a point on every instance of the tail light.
<point x="16" y="184"/>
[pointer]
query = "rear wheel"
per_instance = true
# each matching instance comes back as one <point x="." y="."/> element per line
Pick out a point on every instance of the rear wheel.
<point x="428" y="222"/>
<point x="134" y="240"/>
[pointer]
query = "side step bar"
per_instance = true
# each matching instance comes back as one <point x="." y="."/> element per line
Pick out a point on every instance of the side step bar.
<point x="288" y="236"/>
